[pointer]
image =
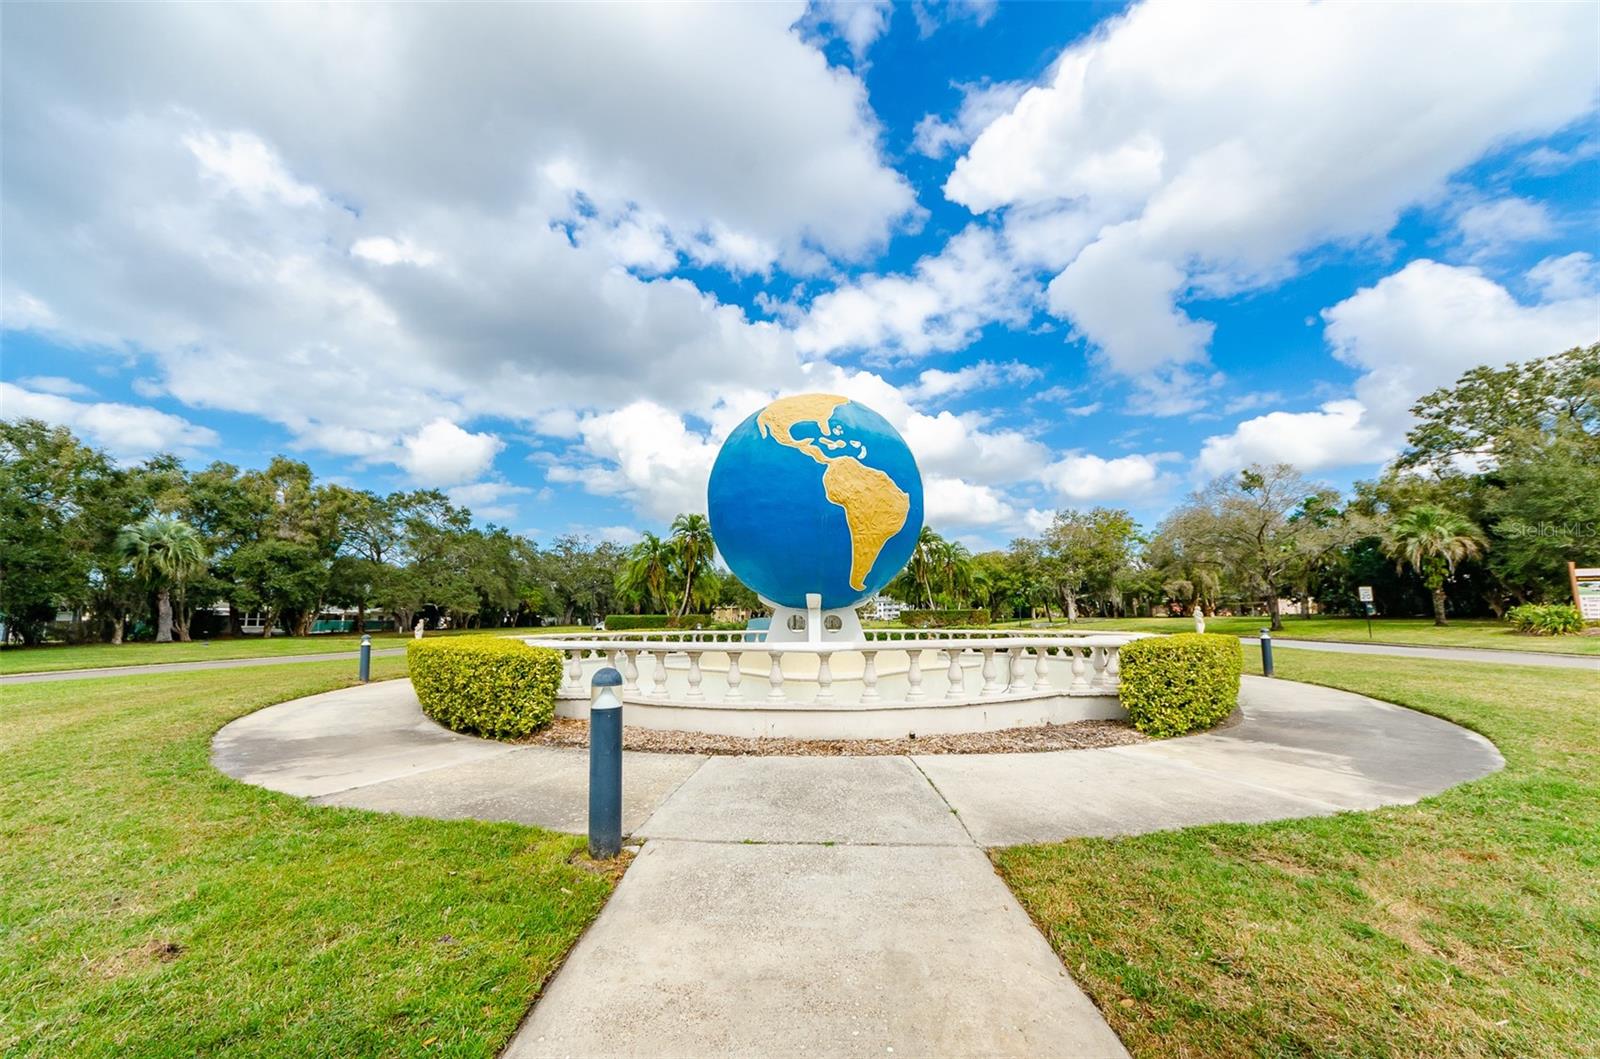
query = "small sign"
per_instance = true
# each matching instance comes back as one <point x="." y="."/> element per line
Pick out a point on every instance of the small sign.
<point x="1365" y="592"/>
<point x="1586" y="590"/>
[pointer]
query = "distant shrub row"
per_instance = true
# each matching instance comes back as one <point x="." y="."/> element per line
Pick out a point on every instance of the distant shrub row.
<point x="1545" y="619"/>
<point x="1172" y="685"/>
<point x="485" y="685"/>
<point x="944" y="619"/>
<point x="629" y="622"/>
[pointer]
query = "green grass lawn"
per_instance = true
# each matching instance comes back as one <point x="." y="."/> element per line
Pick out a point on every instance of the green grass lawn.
<point x="151" y="906"/>
<point x="54" y="657"/>
<point x="1412" y="632"/>
<point x="1466" y="925"/>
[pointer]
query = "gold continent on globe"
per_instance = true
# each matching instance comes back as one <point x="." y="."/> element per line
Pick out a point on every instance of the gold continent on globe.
<point x="874" y="507"/>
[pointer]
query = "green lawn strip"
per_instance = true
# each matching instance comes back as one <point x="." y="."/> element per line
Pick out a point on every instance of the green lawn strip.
<point x="1407" y="632"/>
<point x="151" y="906"/>
<point x="56" y="657"/>
<point x="1468" y="924"/>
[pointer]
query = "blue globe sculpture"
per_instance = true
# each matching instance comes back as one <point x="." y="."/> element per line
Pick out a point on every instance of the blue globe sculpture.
<point x="815" y="493"/>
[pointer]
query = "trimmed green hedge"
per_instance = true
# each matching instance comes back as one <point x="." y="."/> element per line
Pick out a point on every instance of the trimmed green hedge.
<point x="1546" y="619"/>
<point x="629" y="622"/>
<point x="1182" y="683"/>
<point x="485" y="685"/>
<point x="944" y="619"/>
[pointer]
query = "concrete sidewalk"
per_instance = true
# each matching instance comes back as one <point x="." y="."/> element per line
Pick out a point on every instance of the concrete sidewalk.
<point x="1447" y="654"/>
<point x="718" y="949"/>
<point x="178" y="667"/>
<point x="843" y="906"/>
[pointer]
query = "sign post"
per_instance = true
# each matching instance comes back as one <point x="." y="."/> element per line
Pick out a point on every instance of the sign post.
<point x="1585" y="590"/>
<point x="1365" y="592"/>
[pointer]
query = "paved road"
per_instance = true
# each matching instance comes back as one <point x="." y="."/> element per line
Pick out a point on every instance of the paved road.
<point x="178" y="667"/>
<point x="843" y="906"/>
<point x="1458" y="654"/>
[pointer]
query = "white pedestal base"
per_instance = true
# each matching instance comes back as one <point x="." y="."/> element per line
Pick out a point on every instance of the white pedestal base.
<point x="815" y="625"/>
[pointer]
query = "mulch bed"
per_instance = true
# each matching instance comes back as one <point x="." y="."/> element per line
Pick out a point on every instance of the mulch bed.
<point x="1079" y="735"/>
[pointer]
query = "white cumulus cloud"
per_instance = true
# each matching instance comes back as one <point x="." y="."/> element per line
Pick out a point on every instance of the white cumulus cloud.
<point x="1086" y="478"/>
<point x="950" y="504"/>
<point x="261" y="252"/>
<point x="1337" y="435"/>
<point x="1420" y="328"/>
<point x="935" y="383"/>
<point x="1200" y="149"/>
<point x="443" y="454"/>
<point x="941" y="304"/>
<point x="981" y="103"/>
<point x="128" y="432"/>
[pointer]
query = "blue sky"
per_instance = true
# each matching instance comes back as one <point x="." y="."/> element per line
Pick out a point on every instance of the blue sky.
<point x="546" y="257"/>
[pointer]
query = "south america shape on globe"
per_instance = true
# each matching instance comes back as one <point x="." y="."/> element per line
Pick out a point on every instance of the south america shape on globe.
<point x="815" y="493"/>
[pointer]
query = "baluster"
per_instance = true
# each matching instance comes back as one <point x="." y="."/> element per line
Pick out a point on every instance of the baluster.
<point x="990" y="683"/>
<point x="1079" y="670"/>
<point x="824" y="678"/>
<point x="1018" y="668"/>
<point x="574" y="672"/>
<point x="1041" y="668"/>
<point x="630" y="671"/>
<point x="775" y="677"/>
<point x="1114" y="666"/>
<point x="957" y="683"/>
<point x="660" y="690"/>
<point x="694" y="693"/>
<point x="914" y="674"/>
<point x="1098" y="657"/>
<point x="869" y="677"/>
<point x="735" y="693"/>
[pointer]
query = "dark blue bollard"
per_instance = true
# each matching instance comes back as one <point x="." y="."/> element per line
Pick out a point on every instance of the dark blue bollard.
<point x="1266" y="652"/>
<point x="605" y="766"/>
<point x="366" y="658"/>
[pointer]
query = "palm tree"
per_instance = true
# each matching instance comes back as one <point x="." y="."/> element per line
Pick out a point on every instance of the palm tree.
<point x="926" y="561"/>
<point x="691" y="540"/>
<point x="165" y="552"/>
<point x="955" y="563"/>
<point x="1432" y="540"/>
<point x="649" y="566"/>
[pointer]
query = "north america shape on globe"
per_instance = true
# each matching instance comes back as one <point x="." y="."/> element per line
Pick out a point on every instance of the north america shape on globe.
<point x="815" y="493"/>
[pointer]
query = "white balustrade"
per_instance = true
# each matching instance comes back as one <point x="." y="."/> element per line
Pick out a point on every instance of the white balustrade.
<point x="1010" y="664"/>
<point x="1018" y="681"/>
<point x="775" y="677"/>
<point x="660" y="690"/>
<point x="869" y="676"/>
<point x="990" y="683"/>
<point x="574" y="672"/>
<point x="694" y="694"/>
<point x="957" y="681"/>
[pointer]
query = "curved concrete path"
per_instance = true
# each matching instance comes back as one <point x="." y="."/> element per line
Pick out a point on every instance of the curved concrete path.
<point x="1492" y="655"/>
<point x="843" y="906"/>
<point x="46" y="676"/>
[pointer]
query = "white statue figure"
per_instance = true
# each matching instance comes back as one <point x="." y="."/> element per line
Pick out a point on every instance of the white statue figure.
<point x="1199" y="618"/>
<point x="417" y="629"/>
